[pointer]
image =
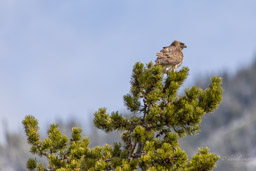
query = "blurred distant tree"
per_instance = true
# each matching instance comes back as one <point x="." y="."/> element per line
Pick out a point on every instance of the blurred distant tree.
<point x="150" y="137"/>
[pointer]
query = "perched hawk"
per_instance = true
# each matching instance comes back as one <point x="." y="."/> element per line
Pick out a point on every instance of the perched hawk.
<point x="171" y="57"/>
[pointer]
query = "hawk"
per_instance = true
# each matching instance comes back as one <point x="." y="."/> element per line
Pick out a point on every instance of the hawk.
<point x="171" y="57"/>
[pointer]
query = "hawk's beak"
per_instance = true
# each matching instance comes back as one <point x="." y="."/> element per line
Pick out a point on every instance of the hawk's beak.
<point x="184" y="46"/>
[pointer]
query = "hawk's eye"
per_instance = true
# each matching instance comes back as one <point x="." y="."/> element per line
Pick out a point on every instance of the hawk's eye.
<point x="182" y="44"/>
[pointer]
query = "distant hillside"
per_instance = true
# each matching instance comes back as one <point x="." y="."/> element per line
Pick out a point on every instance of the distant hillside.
<point x="230" y="131"/>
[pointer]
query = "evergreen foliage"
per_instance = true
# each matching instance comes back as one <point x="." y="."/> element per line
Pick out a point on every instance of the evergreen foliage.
<point x="150" y="137"/>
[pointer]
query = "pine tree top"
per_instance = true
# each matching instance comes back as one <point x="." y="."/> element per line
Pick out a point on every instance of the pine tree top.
<point x="150" y="136"/>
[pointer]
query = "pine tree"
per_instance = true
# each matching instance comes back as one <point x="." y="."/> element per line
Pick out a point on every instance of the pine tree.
<point x="150" y="136"/>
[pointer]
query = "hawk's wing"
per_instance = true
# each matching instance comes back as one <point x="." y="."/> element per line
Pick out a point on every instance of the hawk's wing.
<point x="169" y="56"/>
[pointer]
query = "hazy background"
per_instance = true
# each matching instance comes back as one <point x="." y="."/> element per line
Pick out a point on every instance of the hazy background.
<point x="65" y="59"/>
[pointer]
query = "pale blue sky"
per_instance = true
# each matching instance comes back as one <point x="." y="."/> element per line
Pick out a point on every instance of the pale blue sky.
<point x="63" y="58"/>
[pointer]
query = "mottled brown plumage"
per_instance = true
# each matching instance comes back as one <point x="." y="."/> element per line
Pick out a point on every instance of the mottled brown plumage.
<point x="171" y="57"/>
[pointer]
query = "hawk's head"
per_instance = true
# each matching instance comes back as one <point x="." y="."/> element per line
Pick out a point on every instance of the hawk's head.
<point x="178" y="44"/>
